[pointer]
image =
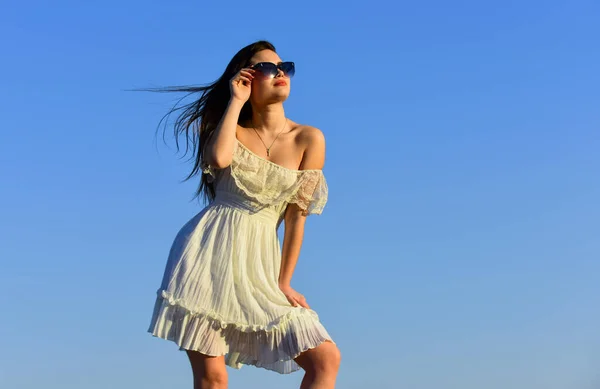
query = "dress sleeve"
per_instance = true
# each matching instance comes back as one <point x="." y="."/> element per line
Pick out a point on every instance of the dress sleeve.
<point x="312" y="192"/>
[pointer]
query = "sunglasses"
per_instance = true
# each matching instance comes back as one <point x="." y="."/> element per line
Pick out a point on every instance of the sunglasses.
<point x="270" y="70"/>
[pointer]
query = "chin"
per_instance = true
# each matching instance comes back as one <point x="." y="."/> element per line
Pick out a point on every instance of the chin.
<point x="279" y="97"/>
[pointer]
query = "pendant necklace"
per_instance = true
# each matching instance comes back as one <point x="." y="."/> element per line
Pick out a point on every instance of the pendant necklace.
<point x="269" y="148"/>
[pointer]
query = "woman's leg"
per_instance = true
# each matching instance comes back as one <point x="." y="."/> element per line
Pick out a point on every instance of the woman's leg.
<point x="209" y="372"/>
<point x="321" y="365"/>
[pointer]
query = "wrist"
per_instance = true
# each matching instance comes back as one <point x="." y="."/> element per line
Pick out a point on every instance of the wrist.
<point x="236" y="103"/>
<point x="283" y="284"/>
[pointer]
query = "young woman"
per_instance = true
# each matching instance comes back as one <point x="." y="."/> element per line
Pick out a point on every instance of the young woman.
<point x="226" y="296"/>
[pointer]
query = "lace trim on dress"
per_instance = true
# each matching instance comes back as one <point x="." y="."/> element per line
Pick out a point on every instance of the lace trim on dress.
<point x="269" y="183"/>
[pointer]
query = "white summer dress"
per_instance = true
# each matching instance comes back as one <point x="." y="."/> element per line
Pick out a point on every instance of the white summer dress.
<point x="219" y="293"/>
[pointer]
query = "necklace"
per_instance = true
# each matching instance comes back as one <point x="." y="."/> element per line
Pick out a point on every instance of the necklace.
<point x="269" y="148"/>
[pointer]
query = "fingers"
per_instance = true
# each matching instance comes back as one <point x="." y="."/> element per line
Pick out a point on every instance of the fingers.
<point x="244" y="79"/>
<point x="294" y="298"/>
<point x="303" y="303"/>
<point x="298" y="301"/>
<point x="247" y="74"/>
<point x="244" y="75"/>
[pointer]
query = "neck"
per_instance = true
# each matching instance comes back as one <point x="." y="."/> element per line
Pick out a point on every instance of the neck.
<point x="269" y="119"/>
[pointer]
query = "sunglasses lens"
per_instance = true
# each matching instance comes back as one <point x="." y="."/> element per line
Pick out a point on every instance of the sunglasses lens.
<point x="267" y="69"/>
<point x="288" y="68"/>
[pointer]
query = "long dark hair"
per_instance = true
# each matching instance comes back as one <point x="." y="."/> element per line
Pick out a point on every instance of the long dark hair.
<point x="198" y="120"/>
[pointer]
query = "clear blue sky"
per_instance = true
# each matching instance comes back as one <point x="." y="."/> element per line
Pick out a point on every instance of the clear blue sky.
<point x="459" y="247"/>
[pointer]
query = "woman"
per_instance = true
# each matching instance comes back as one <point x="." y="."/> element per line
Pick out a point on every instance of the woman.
<point x="226" y="295"/>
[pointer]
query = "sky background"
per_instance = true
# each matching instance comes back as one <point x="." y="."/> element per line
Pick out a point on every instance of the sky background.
<point x="460" y="245"/>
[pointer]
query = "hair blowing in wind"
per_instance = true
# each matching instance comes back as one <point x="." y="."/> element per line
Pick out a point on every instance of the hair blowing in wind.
<point x="196" y="121"/>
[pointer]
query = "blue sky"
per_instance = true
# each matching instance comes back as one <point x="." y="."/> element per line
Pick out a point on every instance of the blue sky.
<point x="459" y="247"/>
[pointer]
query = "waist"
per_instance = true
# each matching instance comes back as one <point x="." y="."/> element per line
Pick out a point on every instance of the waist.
<point x="245" y="205"/>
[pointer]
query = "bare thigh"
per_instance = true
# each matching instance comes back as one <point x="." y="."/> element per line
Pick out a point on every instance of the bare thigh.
<point x="208" y="371"/>
<point x="325" y="357"/>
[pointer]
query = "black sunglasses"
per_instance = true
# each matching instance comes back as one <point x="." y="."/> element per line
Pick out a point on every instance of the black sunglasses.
<point x="270" y="70"/>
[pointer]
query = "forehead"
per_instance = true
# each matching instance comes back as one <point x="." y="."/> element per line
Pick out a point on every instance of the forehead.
<point x="265" y="56"/>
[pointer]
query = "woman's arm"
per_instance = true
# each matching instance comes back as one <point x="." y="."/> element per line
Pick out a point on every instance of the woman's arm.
<point x="314" y="158"/>
<point x="219" y="148"/>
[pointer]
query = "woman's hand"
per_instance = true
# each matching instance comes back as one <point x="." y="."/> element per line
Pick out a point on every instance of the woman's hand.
<point x="241" y="85"/>
<point x="295" y="298"/>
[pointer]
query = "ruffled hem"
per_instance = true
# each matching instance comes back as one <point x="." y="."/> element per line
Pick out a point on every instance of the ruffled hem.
<point x="273" y="346"/>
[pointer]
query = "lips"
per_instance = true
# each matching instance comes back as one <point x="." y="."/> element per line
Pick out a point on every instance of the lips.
<point x="280" y="83"/>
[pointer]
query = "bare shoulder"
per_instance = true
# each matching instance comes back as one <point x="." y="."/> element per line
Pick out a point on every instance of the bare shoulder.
<point x="310" y="136"/>
<point x="312" y="140"/>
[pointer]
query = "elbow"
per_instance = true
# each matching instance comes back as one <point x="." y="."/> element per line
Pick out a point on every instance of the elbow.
<point x="294" y="215"/>
<point x="219" y="159"/>
<point x="221" y="162"/>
